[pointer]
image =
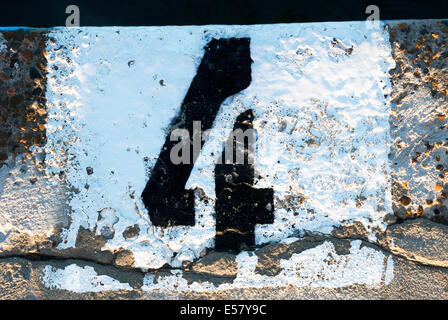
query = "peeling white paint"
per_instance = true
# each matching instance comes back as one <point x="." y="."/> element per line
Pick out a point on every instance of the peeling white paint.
<point x="317" y="267"/>
<point x="78" y="279"/>
<point x="321" y="114"/>
<point x="320" y="266"/>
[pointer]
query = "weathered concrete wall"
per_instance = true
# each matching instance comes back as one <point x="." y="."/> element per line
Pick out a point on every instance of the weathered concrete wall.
<point x="412" y="251"/>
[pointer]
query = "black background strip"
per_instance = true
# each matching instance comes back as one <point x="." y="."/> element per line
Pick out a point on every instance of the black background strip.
<point x="41" y="13"/>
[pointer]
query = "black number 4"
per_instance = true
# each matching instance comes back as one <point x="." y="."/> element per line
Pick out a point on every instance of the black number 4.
<point x="225" y="70"/>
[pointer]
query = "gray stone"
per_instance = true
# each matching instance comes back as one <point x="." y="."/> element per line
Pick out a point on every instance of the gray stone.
<point x="419" y="240"/>
<point x="217" y="263"/>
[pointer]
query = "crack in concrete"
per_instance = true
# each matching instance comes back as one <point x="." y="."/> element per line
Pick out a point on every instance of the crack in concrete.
<point x="315" y="239"/>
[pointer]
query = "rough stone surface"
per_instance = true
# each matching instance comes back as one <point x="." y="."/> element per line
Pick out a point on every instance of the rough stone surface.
<point x="418" y="119"/>
<point x="420" y="240"/>
<point x="22" y="279"/>
<point x="15" y="280"/>
<point x="131" y="231"/>
<point x="31" y="202"/>
<point x="124" y="259"/>
<point x="22" y="94"/>
<point x="353" y="230"/>
<point x="220" y="264"/>
<point x="419" y="161"/>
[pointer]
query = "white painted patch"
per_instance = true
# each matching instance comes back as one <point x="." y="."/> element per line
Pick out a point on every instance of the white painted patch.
<point x="322" y="121"/>
<point x="317" y="267"/>
<point x="78" y="279"/>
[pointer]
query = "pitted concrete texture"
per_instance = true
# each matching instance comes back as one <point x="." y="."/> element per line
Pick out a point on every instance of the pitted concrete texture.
<point x="415" y="240"/>
<point x="32" y="203"/>
<point x="220" y="264"/>
<point x="22" y="91"/>
<point x="420" y="240"/>
<point x="419" y="156"/>
<point x="22" y="278"/>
